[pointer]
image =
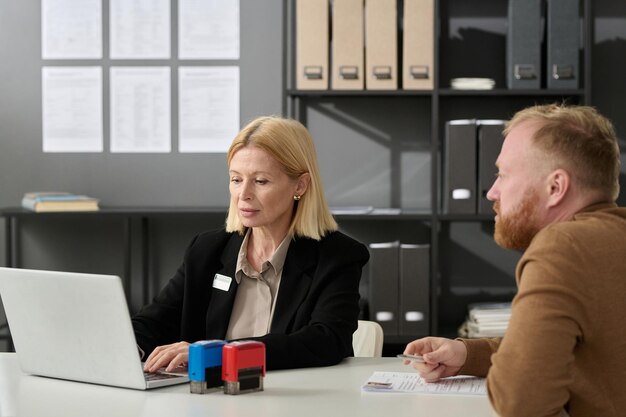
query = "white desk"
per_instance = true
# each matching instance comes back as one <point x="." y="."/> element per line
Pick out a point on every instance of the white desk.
<point x="319" y="392"/>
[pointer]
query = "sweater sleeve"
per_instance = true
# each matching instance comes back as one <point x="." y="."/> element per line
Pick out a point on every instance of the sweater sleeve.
<point x="479" y="353"/>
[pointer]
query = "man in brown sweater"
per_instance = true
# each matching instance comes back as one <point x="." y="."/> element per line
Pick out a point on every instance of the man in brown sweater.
<point x="565" y="346"/>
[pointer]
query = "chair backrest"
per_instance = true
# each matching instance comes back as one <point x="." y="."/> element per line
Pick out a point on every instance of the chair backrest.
<point x="367" y="341"/>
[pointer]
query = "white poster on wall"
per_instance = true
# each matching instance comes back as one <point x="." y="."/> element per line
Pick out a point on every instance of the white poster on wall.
<point x="72" y="109"/>
<point x="208" y="108"/>
<point x="139" y="29"/>
<point x="208" y="29"/>
<point x="140" y="109"/>
<point x="71" y="29"/>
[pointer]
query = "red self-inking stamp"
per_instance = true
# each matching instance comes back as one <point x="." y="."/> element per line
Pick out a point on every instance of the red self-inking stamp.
<point x="243" y="367"/>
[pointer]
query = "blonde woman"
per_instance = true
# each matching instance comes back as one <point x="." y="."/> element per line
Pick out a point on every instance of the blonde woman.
<point x="279" y="272"/>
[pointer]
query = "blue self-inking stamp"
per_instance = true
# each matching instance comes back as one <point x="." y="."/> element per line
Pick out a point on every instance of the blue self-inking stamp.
<point x="205" y="365"/>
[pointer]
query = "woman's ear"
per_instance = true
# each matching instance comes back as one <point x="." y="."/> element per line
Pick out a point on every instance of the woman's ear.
<point x="303" y="183"/>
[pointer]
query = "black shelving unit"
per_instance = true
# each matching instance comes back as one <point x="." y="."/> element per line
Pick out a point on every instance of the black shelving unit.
<point x="448" y="299"/>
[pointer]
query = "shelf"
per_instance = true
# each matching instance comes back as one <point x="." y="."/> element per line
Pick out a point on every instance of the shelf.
<point x="499" y="92"/>
<point x="504" y="92"/>
<point x="359" y="93"/>
<point x="462" y="249"/>
<point x="118" y="211"/>
<point x="465" y="217"/>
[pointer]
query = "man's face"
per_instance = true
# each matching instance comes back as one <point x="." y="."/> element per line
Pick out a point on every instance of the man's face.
<point x="517" y="191"/>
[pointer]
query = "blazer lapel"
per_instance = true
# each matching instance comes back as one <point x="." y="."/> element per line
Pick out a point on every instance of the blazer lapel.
<point x="294" y="283"/>
<point x="221" y="305"/>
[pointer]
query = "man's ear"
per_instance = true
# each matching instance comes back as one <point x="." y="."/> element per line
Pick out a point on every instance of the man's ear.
<point x="559" y="185"/>
<point x="303" y="183"/>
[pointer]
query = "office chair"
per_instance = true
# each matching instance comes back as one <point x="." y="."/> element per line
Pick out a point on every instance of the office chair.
<point x="367" y="340"/>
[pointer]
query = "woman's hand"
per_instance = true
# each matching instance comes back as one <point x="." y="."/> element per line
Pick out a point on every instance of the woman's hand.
<point x="168" y="356"/>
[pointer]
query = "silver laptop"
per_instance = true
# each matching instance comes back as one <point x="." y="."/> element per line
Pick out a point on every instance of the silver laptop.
<point x="76" y="327"/>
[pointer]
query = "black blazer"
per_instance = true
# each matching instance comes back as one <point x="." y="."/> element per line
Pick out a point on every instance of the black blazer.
<point x="316" y="308"/>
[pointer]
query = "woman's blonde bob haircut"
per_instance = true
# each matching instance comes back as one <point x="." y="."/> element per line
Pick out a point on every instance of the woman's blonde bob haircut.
<point x="289" y="142"/>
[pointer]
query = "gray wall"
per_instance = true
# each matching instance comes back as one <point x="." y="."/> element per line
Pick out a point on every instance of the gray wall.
<point x="121" y="179"/>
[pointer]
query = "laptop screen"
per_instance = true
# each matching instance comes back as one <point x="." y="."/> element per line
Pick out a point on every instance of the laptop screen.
<point x="72" y="326"/>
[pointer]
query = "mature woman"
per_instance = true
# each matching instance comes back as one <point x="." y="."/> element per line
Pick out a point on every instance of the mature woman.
<point x="280" y="272"/>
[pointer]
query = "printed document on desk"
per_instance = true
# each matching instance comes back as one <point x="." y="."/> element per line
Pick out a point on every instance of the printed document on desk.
<point x="411" y="382"/>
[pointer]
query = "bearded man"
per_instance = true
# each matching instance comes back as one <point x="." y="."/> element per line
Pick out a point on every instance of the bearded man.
<point x="565" y="347"/>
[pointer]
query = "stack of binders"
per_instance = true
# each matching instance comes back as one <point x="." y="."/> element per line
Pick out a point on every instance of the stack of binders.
<point x="399" y="288"/>
<point x="364" y="44"/>
<point x="471" y="148"/>
<point x="524" y="43"/>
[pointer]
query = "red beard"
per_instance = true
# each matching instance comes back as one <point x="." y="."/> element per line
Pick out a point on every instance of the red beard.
<point x="517" y="229"/>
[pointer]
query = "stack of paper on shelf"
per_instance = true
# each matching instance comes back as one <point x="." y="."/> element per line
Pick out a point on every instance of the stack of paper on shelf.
<point x="58" y="201"/>
<point x="486" y="320"/>
<point x="472" y="83"/>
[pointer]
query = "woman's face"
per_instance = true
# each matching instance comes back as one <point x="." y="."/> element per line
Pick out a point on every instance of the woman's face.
<point x="261" y="190"/>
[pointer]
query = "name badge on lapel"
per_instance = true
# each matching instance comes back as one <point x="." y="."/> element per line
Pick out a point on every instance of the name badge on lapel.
<point x="222" y="282"/>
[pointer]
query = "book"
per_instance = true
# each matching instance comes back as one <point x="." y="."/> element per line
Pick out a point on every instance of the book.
<point x="50" y="201"/>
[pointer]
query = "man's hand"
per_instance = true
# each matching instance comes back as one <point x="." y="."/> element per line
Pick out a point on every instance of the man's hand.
<point x="442" y="357"/>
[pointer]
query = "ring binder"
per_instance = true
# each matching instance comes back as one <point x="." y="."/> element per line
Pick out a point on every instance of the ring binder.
<point x="347" y="45"/>
<point x="459" y="167"/>
<point x="312" y="32"/>
<point x="381" y="44"/>
<point x="563" y="43"/>
<point x="418" y="44"/>
<point x="523" y="50"/>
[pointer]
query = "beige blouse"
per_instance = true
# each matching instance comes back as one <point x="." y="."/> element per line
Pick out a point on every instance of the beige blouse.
<point x="255" y="300"/>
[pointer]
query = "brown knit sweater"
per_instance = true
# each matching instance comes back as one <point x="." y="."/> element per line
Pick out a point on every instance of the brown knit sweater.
<point x="565" y="346"/>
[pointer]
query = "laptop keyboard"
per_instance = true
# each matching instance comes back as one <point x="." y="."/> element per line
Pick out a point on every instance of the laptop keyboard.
<point x="150" y="376"/>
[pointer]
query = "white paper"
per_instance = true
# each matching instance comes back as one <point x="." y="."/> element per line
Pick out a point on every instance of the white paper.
<point x="208" y="29"/>
<point x="411" y="382"/>
<point x="71" y="29"/>
<point x="140" y="29"/>
<point x="208" y="108"/>
<point x="72" y="109"/>
<point x="140" y="109"/>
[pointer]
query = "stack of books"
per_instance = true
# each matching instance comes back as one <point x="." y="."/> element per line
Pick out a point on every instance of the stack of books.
<point x="486" y="320"/>
<point x="58" y="201"/>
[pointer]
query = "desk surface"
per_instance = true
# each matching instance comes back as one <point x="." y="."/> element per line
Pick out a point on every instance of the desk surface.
<point x="331" y="391"/>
